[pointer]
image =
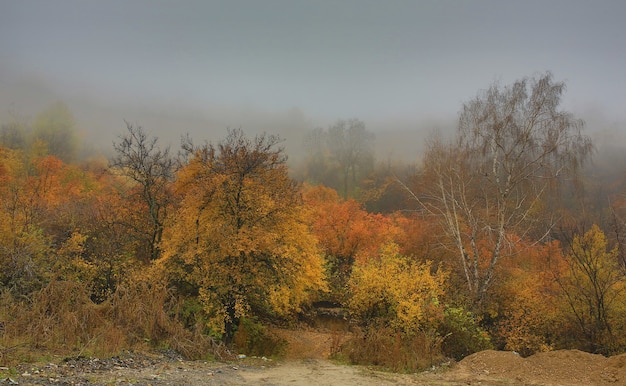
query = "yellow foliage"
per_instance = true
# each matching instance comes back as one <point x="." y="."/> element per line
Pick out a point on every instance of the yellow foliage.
<point x="528" y="306"/>
<point x="594" y="287"/>
<point x="239" y="234"/>
<point x="69" y="264"/>
<point x="394" y="289"/>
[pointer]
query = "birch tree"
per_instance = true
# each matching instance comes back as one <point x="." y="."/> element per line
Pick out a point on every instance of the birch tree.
<point x="488" y="185"/>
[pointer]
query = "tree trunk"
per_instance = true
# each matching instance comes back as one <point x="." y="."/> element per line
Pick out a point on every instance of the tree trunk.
<point x="231" y="321"/>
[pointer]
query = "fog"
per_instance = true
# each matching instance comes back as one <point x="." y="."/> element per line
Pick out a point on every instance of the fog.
<point x="101" y="120"/>
<point x="283" y="67"/>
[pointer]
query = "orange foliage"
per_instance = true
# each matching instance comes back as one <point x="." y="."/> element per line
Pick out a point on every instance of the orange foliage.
<point x="346" y="233"/>
<point x="417" y="237"/>
<point x="528" y="309"/>
<point x="54" y="220"/>
<point x="344" y="229"/>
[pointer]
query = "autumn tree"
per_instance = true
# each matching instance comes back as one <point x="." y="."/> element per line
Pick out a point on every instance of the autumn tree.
<point x="593" y="286"/>
<point x="512" y="145"/>
<point x="109" y="247"/>
<point x="22" y="244"/>
<point x="29" y="192"/>
<point x="525" y="310"/>
<point x="346" y="233"/>
<point x="44" y="217"/>
<point x="239" y="234"/>
<point x="150" y="170"/>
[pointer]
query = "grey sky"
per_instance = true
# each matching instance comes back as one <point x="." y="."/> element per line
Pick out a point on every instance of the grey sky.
<point x="388" y="63"/>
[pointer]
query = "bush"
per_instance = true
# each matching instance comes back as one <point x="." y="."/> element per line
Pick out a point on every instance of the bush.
<point x="252" y="338"/>
<point x="397" y="302"/>
<point x="394" y="290"/>
<point x="462" y="335"/>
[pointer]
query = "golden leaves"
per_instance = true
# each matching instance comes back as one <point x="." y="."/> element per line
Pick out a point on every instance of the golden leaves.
<point x="240" y="229"/>
<point x="392" y="287"/>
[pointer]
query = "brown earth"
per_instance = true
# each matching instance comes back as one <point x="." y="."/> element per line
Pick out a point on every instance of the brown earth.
<point x="563" y="367"/>
<point x="306" y="363"/>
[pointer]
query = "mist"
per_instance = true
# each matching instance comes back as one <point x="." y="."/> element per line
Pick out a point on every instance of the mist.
<point x="404" y="69"/>
<point x="100" y="120"/>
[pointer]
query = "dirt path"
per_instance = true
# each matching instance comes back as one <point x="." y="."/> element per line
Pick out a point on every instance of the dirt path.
<point x="246" y="372"/>
<point x="320" y="372"/>
<point x="310" y="343"/>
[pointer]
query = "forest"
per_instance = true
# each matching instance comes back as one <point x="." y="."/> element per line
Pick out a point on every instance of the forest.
<point x="506" y="236"/>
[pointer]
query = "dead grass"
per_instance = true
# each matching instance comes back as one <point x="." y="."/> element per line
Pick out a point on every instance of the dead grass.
<point x="61" y="319"/>
<point x="392" y="350"/>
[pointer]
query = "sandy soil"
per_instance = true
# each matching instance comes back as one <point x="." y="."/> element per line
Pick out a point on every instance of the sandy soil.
<point x="307" y="365"/>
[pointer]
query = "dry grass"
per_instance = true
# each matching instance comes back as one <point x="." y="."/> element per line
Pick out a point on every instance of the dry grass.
<point x="392" y="350"/>
<point x="252" y="338"/>
<point x="61" y="319"/>
<point x="337" y="338"/>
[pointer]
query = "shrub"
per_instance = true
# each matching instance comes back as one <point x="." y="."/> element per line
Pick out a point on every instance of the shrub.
<point x="462" y="335"/>
<point x="252" y="338"/>
<point x="394" y="290"/>
<point x="396" y="300"/>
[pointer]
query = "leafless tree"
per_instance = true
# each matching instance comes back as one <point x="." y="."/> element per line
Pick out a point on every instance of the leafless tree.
<point x="151" y="169"/>
<point x="488" y="185"/>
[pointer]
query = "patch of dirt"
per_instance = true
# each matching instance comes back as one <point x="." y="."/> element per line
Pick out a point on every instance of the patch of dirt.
<point x="307" y="364"/>
<point x="311" y="343"/>
<point x="562" y="367"/>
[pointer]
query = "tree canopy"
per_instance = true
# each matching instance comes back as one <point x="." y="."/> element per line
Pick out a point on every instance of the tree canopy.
<point x="239" y="234"/>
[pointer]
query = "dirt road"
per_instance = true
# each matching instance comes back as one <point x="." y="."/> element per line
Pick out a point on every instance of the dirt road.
<point x="244" y="372"/>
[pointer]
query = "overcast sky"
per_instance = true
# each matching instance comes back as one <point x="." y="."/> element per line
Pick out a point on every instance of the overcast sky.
<point x="392" y="64"/>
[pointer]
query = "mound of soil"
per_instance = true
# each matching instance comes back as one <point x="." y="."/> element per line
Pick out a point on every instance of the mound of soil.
<point x="563" y="367"/>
